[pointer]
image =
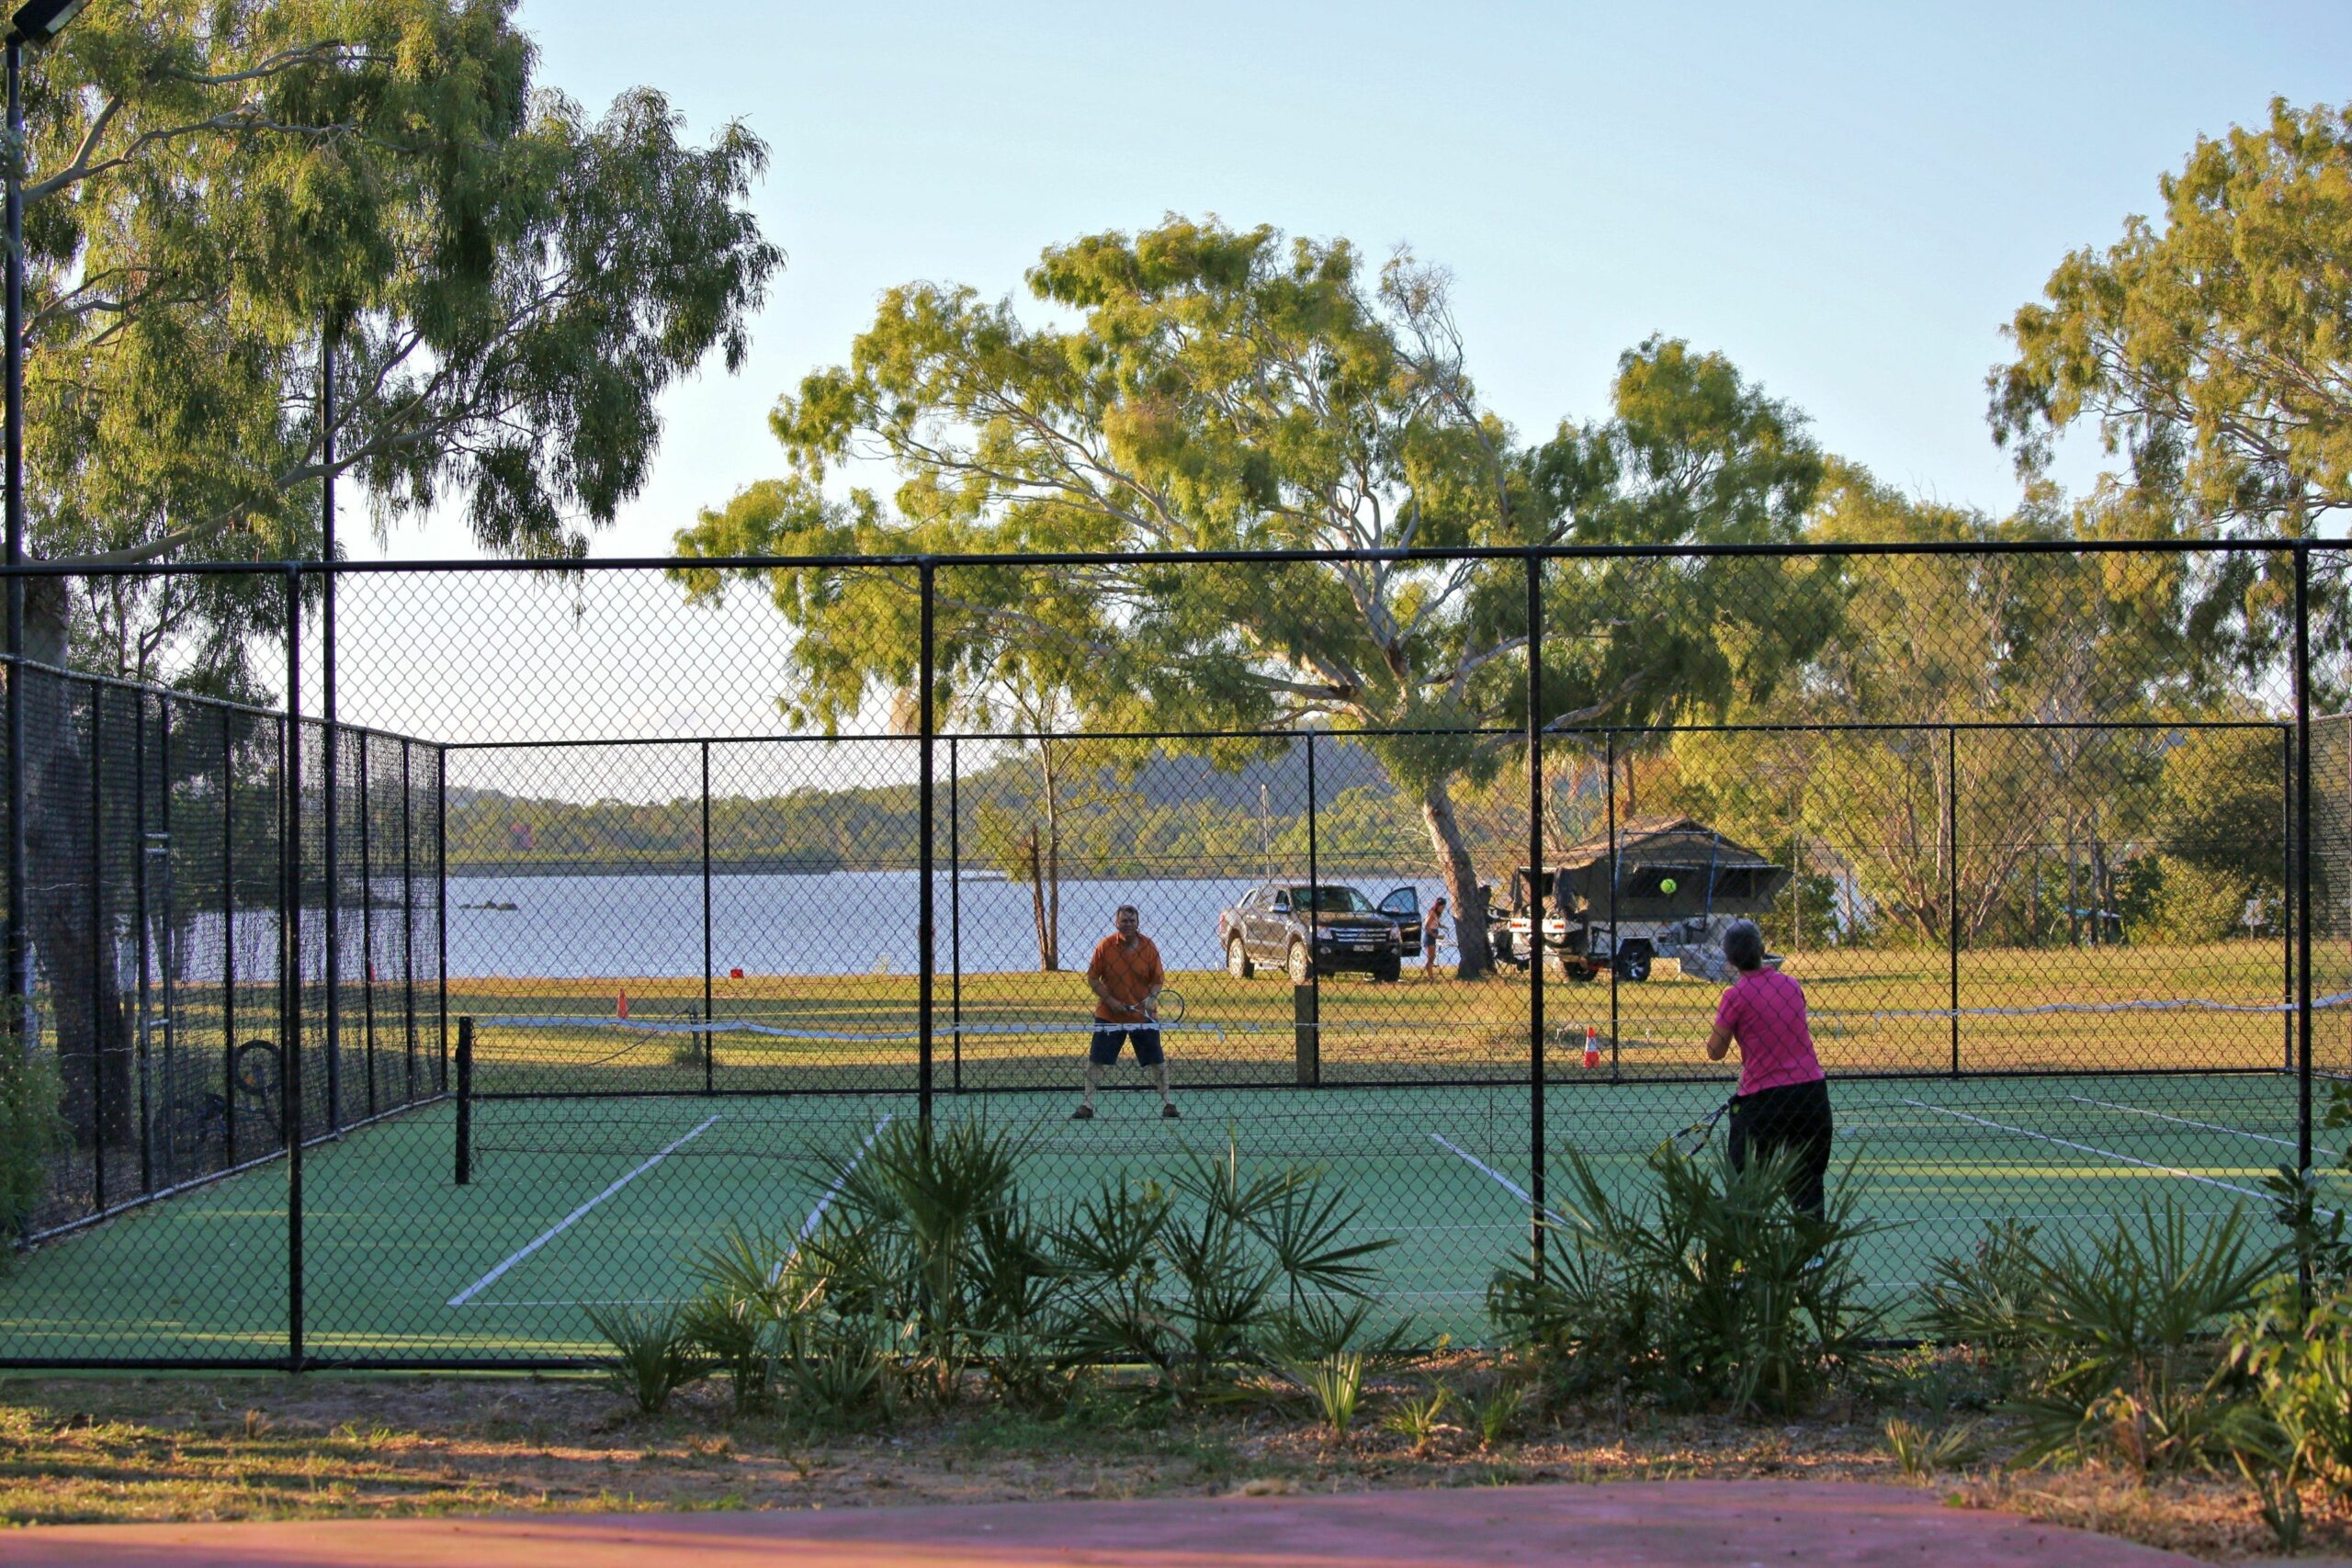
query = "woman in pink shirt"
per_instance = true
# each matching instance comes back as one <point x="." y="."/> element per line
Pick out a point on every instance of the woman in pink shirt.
<point x="1783" y="1099"/>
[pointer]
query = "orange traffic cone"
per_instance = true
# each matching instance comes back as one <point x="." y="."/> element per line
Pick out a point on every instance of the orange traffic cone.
<point x="1591" y="1046"/>
<point x="620" y="1004"/>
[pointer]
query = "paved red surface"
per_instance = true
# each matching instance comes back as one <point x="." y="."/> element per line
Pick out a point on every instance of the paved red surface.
<point x="1724" y="1524"/>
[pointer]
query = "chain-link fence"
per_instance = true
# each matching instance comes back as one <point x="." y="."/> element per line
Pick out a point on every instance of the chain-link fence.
<point x="709" y="872"/>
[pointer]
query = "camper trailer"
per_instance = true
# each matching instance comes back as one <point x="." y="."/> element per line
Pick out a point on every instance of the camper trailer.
<point x="1677" y="885"/>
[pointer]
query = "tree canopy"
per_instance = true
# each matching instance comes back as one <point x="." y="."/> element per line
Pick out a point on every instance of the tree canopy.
<point x="1198" y="387"/>
<point x="211" y="190"/>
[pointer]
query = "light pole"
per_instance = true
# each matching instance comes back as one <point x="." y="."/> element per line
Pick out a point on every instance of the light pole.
<point x="35" y="23"/>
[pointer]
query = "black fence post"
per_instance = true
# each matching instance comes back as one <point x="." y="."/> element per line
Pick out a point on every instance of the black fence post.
<point x="956" y="912"/>
<point x="925" y="896"/>
<point x="2303" y="884"/>
<point x="99" y="964"/>
<point x="441" y="915"/>
<point x="1314" y="926"/>
<point x="229" y="937"/>
<point x="408" y="925"/>
<point x="143" y="988"/>
<point x="290" y="963"/>
<point x="2287" y="921"/>
<point x="330" y="740"/>
<point x="1616" y="932"/>
<point x="1952" y="885"/>
<point x="167" y="949"/>
<point x="366" y="923"/>
<point x="709" y="1047"/>
<point x="465" y="1172"/>
<point x="1536" y="1068"/>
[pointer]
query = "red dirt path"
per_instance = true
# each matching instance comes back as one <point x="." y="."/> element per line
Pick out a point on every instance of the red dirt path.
<point x="1729" y="1523"/>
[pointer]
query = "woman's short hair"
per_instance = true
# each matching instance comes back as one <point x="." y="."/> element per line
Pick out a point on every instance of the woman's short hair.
<point x="1744" y="945"/>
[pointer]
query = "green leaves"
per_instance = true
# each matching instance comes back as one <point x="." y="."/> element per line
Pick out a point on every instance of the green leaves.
<point x="509" y="283"/>
<point x="1706" y="1288"/>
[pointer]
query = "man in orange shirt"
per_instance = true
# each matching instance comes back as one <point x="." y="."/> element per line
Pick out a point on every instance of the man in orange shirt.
<point x="1125" y="978"/>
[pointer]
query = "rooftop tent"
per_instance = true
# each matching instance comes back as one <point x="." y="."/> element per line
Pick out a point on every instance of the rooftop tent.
<point x="1712" y="875"/>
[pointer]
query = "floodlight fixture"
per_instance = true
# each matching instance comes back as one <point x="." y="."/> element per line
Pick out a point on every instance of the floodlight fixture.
<point x="39" y="21"/>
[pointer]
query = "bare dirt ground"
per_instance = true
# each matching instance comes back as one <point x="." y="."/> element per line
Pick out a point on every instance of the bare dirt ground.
<point x="190" y="1447"/>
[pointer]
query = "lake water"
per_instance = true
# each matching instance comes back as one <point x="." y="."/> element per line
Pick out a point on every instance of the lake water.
<point x="849" y="922"/>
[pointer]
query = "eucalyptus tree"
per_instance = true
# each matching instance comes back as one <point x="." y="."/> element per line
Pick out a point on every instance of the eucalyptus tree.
<point x="2207" y="347"/>
<point x="216" y="189"/>
<point x="211" y="191"/>
<point x="1199" y="387"/>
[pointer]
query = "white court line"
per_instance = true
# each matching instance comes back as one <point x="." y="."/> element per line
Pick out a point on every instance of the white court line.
<point x="2208" y="1126"/>
<point x="462" y="1297"/>
<point x="816" y="1214"/>
<point x="1513" y="1188"/>
<point x="2090" y="1149"/>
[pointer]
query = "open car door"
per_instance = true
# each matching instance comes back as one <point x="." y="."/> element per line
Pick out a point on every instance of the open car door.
<point x="1402" y="904"/>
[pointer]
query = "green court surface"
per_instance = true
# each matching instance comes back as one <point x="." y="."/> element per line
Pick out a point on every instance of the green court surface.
<point x="575" y="1203"/>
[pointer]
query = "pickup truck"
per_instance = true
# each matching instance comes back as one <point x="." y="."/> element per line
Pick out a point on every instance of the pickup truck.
<point x="1308" y="929"/>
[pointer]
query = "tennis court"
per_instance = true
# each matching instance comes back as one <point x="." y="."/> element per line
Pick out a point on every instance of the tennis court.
<point x="575" y="1202"/>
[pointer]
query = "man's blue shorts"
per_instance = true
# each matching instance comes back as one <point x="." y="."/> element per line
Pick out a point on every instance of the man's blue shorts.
<point x="1108" y="1037"/>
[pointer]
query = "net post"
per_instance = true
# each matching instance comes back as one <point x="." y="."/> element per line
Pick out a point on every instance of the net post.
<point x="708" y="1067"/>
<point x="289" y="961"/>
<point x="465" y="1152"/>
<point x="1952" y="885"/>
<point x="1535" y="1069"/>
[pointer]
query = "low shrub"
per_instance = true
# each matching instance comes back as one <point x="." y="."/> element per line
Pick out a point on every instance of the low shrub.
<point x="654" y="1354"/>
<point x="1704" y="1288"/>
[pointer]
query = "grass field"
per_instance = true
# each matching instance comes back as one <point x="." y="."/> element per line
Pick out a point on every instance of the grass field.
<point x="579" y="1200"/>
<point x="1873" y="1011"/>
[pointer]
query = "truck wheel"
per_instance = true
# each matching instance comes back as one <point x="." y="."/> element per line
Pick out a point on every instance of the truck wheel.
<point x="1302" y="967"/>
<point x="1236" y="961"/>
<point x="1503" y="953"/>
<point x="1389" y="970"/>
<point x="1568" y="966"/>
<point x="1633" y="964"/>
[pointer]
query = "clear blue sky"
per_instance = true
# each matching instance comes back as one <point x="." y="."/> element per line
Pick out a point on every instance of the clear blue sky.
<point x="1847" y="200"/>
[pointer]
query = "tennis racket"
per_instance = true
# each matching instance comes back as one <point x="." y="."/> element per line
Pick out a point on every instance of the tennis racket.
<point x="1687" y="1142"/>
<point x="1169" y="1006"/>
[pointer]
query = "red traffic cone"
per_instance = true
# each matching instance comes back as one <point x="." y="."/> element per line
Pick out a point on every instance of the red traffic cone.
<point x="620" y="1004"/>
<point x="1591" y="1046"/>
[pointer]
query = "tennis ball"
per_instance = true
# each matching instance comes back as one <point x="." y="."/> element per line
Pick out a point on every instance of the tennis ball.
<point x="1665" y="884"/>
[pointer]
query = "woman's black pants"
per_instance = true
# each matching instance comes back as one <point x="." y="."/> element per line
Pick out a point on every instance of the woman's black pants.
<point x="1794" y="1117"/>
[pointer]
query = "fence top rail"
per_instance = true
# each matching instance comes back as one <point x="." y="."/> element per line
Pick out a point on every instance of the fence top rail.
<point x="1804" y="549"/>
<point x="197" y="699"/>
<point x="1568" y="732"/>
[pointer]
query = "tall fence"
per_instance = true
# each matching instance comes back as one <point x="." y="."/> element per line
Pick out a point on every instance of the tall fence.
<point x="423" y="1059"/>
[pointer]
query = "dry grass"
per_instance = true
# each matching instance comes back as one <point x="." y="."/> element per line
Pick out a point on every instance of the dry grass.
<point x="190" y="1448"/>
<point x="1880" y="1009"/>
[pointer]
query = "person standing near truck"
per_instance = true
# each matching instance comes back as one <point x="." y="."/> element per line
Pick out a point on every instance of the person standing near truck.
<point x="1433" y="927"/>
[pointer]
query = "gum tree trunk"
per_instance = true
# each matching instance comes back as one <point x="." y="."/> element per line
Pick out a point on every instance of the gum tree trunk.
<point x="1469" y="899"/>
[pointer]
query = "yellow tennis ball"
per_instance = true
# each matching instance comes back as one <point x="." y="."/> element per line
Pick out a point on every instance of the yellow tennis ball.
<point x="1665" y="886"/>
